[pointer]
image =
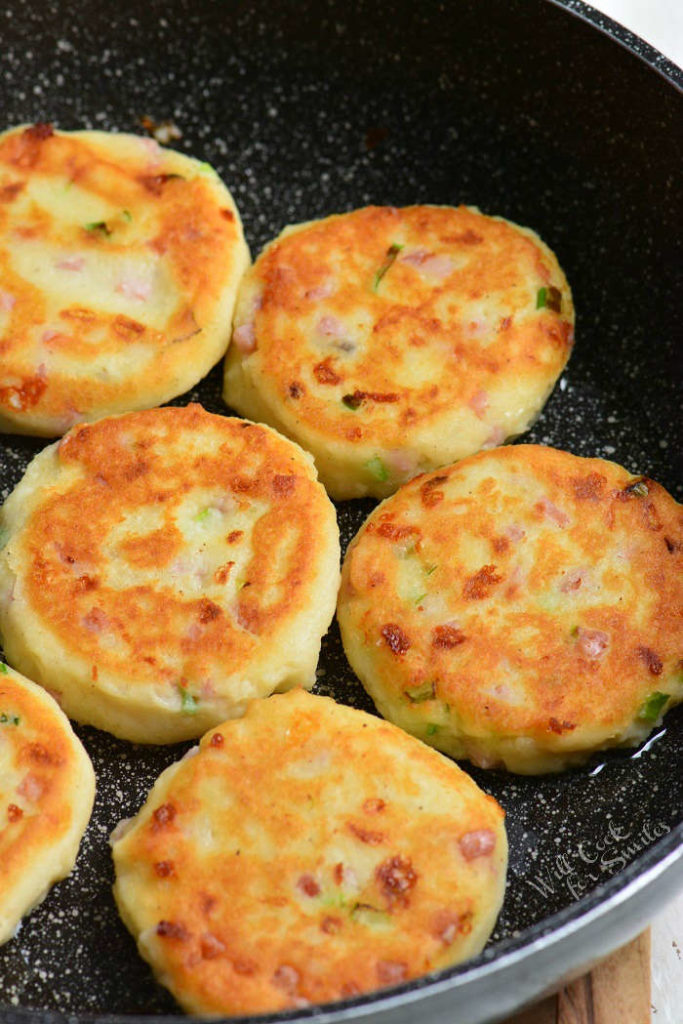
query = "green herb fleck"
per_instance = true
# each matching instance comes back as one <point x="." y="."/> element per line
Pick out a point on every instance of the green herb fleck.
<point x="3" y="668"/>
<point x="201" y="516"/>
<point x="420" y="598"/>
<point x="574" y="631"/>
<point x="550" y="298"/>
<point x="429" y="569"/>
<point x="6" y="719"/>
<point x="188" y="703"/>
<point x="98" y="225"/>
<point x="392" y="253"/>
<point x="421" y="693"/>
<point x="352" y="401"/>
<point x="377" y="468"/>
<point x="206" y="168"/>
<point x="432" y="728"/>
<point x="652" y="706"/>
<point x="127" y="215"/>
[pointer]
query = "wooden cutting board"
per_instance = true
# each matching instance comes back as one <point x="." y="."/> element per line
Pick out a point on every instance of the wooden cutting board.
<point x="617" y="991"/>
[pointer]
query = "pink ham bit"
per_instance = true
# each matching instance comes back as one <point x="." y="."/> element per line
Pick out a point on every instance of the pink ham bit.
<point x="496" y="437"/>
<point x="7" y="302"/>
<point x="95" y="621"/>
<point x="550" y="510"/>
<point x="153" y="153"/>
<point x="446" y="926"/>
<point x="390" y="972"/>
<point x="75" y="263"/>
<point x="401" y="463"/>
<point x="245" y="338"/>
<point x="321" y="291"/>
<point x="592" y="643"/>
<point x="331" y="327"/>
<point x="431" y="264"/>
<point x="32" y="787"/>
<point x="137" y="288"/>
<point x="479" y="843"/>
<point x="573" y="580"/>
<point x="286" y="978"/>
<point x="515" y="533"/>
<point x="479" y="403"/>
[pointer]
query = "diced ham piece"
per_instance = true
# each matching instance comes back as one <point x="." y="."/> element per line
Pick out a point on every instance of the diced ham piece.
<point x="286" y="978"/>
<point x="31" y="787"/>
<point x="551" y="511"/>
<point x="138" y="288"/>
<point x="573" y="580"/>
<point x="75" y="263"/>
<point x="331" y="326"/>
<point x="401" y="462"/>
<point x="321" y="291"/>
<point x="429" y="263"/>
<point x="153" y="152"/>
<point x="7" y="302"/>
<point x="592" y="643"/>
<point x="245" y="338"/>
<point x="389" y="972"/>
<point x="479" y="843"/>
<point x="479" y="403"/>
<point x="496" y="437"/>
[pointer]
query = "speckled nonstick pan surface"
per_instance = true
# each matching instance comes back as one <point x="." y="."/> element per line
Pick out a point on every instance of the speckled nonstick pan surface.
<point x="527" y="111"/>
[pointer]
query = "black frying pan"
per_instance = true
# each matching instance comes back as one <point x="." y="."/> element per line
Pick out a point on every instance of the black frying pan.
<point x="305" y="109"/>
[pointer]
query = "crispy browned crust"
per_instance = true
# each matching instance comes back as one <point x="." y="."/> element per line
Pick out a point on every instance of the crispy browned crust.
<point x="61" y="361"/>
<point x="523" y="596"/>
<point x="308" y="852"/>
<point x="409" y="334"/>
<point x="46" y="794"/>
<point x="130" y="560"/>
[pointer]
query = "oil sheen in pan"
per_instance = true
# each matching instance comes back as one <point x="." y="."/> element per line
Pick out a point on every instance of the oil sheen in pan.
<point x="438" y="121"/>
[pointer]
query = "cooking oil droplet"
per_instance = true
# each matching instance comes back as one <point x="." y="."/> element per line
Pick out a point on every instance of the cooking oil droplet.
<point x="646" y="746"/>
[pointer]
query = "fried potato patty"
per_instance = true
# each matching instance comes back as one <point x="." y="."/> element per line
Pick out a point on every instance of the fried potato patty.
<point x="160" y="568"/>
<point x="119" y="266"/>
<point x="47" y="788"/>
<point x="389" y="342"/>
<point x="308" y="852"/>
<point x="522" y="608"/>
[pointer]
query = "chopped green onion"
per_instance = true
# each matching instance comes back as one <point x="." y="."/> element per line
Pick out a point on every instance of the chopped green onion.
<point x="3" y="668"/>
<point x="392" y="253"/>
<point x="6" y="719"/>
<point x="201" y="516"/>
<point x="652" y="706"/>
<point x="352" y="401"/>
<point x="432" y="728"/>
<point x="549" y="297"/>
<point x="377" y="468"/>
<point x="188" y="703"/>
<point x="127" y="215"/>
<point x="421" y="693"/>
<point x="429" y="569"/>
<point x="420" y="598"/>
<point x="98" y="225"/>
